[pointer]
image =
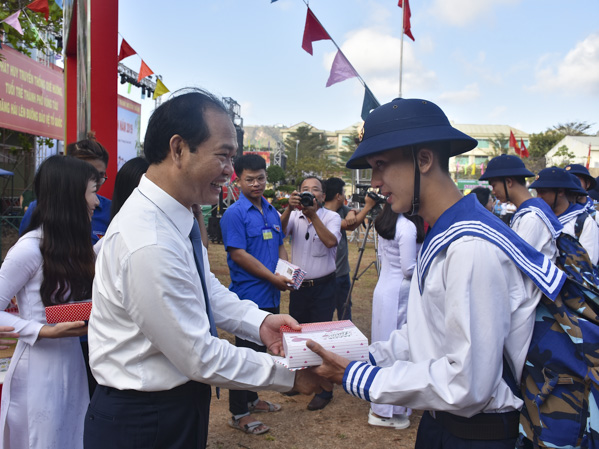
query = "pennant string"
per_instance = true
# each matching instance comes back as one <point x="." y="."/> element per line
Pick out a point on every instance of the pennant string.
<point x="338" y="48"/>
<point x="36" y="32"/>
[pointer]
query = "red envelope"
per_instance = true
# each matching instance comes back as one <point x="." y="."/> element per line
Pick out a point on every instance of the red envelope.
<point x="71" y="311"/>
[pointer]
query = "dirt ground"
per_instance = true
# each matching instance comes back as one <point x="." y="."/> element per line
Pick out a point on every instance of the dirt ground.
<point x="343" y="423"/>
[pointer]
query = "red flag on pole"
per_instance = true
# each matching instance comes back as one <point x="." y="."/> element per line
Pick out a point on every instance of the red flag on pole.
<point x="40" y="6"/>
<point x="313" y="31"/>
<point x="144" y="71"/>
<point x="524" y="151"/>
<point x="514" y="143"/>
<point x="589" y="157"/>
<point x="126" y="50"/>
<point x="407" y="29"/>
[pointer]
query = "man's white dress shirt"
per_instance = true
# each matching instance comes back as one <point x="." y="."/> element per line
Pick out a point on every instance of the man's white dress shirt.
<point x="149" y="330"/>
<point x="310" y="254"/>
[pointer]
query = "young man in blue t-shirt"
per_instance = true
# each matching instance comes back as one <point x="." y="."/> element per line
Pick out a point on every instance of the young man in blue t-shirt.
<point x="253" y="238"/>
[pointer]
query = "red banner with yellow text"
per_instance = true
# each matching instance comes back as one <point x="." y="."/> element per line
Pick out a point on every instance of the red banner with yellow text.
<point x="31" y="96"/>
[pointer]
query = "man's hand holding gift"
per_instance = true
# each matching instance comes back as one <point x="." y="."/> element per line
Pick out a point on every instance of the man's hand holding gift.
<point x="333" y="365"/>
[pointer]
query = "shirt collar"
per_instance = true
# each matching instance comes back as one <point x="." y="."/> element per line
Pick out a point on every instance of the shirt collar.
<point x="173" y="209"/>
<point x="248" y="204"/>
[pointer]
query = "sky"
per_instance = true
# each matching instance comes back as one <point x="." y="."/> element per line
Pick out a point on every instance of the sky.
<point x="529" y="64"/>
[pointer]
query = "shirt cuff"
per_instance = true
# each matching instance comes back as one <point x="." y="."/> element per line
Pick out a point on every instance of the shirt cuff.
<point x="253" y="319"/>
<point x="284" y="379"/>
<point x="30" y="333"/>
<point x="358" y="378"/>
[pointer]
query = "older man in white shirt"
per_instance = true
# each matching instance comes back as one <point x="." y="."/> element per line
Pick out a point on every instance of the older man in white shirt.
<point x="152" y="338"/>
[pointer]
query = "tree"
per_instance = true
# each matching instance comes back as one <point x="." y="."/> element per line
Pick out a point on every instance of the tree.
<point x="275" y="174"/>
<point x="500" y="144"/>
<point x="565" y="154"/>
<point x="541" y="143"/>
<point x="573" y="128"/>
<point x="31" y="34"/>
<point x="310" y="149"/>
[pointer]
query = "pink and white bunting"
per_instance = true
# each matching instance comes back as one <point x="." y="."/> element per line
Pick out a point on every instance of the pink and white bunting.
<point x="13" y="21"/>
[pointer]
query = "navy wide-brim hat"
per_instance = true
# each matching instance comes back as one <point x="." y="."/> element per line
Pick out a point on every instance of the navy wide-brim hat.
<point x="405" y="122"/>
<point x="581" y="170"/>
<point x="505" y="166"/>
<point x="578" y="190"/>
<point x="554" y="178"/>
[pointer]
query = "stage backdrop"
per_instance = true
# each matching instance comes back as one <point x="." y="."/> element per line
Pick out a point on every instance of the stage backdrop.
<point x="129" y="124"/>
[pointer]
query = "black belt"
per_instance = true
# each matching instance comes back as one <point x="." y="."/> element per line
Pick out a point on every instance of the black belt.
<point x="484" y="426"/>
<point x="184" y="390"/>
<point x="318" y="281"/>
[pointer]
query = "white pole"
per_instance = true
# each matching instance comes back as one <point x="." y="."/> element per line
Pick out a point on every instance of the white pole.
<point x="296" y="145"/>
<point x="403" y="15"/>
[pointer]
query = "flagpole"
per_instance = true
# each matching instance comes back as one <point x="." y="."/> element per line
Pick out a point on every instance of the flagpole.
<point x="338" y="49"/>
<point x="403" y="18"/>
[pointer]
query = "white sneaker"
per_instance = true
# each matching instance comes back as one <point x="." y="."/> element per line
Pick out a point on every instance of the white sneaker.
<point x="397" y="422"/>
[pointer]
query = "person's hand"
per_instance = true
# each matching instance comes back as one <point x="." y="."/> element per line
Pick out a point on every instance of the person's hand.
<point x="369" y="203"/>
<point x="62" y="330"/>
<point x="270" y="333"/>
<point x="6" y="332"/>
<point x="294" y="200"/>
<point x="308" y="382"/>
<point x="310" y="211"/>
<point x="350" y="218"/>
<point x="282" y="283"/>
<point x="333" y="365"/>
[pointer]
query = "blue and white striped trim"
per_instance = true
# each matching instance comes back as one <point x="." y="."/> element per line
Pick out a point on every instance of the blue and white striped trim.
<point x="546" y="276"/>
<point x="565" y="218"/>
<point x="539" y="213"/>
<point x="358" y="378"/>
<point x="371" y="358"/>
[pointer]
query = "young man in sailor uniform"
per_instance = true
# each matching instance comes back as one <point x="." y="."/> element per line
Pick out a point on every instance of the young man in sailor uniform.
<point x="587" y="182"/>
<point x="552" y="185"/>
<point x="472" y="303"/>
<point x="534" y="220"/>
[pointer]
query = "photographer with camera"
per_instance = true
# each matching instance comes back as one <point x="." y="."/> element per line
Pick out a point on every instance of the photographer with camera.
<point x="350" y="220"/>
<point x="315" y="233"/>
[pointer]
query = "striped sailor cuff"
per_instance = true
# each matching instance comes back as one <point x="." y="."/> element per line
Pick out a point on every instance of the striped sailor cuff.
<point x="371" y="358"/>
<point x="358" y="378"/>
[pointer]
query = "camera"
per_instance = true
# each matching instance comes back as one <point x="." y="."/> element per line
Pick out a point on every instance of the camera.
<point x="360" y="197"/>
<point x="307" y="199"/>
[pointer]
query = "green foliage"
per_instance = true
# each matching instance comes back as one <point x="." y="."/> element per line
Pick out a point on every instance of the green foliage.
<point x="500" y="144"/>
<point x="30" y="38"/>
<point x="288" y="188"/>
<point x="541" y="143"/>
<point x="573" y="128"/>
<point x="275" y="174"/>
<point x="269" y="193"/>
<point x="565" y="154"/>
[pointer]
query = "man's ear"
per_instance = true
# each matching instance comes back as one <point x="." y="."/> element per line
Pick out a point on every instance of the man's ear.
<point x="176" y="146"/>
<point x="509" y="182"/>
<point x="424" y="159"/>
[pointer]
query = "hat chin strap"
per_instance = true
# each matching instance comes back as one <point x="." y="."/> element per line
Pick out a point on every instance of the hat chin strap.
<point x="507" y="194"/>
<point x="416" y="198"/>
<point x="555" y="200"/>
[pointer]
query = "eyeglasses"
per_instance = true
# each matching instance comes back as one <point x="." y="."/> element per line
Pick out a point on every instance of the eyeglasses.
<point x="307" y="236"/>
<point x="252" y="181"/>
<point x="102" y="179"/>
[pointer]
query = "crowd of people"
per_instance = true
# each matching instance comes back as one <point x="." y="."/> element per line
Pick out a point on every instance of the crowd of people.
<point x="453" y="310"/>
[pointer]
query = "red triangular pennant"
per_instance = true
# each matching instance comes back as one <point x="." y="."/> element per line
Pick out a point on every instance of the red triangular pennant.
<point x="313" y="31"/>
<point x="40" y="6"/>
<point x="144" y="71"/>
<point x="126" y="50"/>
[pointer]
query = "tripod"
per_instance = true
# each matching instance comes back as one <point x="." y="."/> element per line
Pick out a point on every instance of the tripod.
<point x="375" y="262"/>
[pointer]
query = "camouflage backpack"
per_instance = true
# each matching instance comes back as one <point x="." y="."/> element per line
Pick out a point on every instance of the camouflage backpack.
<point x="560" y="379"/>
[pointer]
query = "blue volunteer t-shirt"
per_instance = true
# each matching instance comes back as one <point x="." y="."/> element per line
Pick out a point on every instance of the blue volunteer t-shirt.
<point x="100" y="219"/>
<point x="243" y="227"/>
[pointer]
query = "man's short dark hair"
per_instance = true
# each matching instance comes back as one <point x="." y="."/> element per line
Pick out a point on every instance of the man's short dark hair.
<point x="482" y="193"/>
<point x="322" y="185"/>
<point x="333" y="186"/>
<point x="182" y="114"/>
<point x="251" y="162"/>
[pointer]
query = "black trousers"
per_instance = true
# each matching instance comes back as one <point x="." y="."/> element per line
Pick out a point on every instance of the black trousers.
<point x="238" y="399"/>
<point x="432" y="435"/>
<point x="172" y="419"/>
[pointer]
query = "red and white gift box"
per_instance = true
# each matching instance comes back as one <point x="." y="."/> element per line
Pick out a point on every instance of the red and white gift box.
<point x="70" y="311"/>
<point x="341" y="337"/>
<point x="290" y="271"/>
